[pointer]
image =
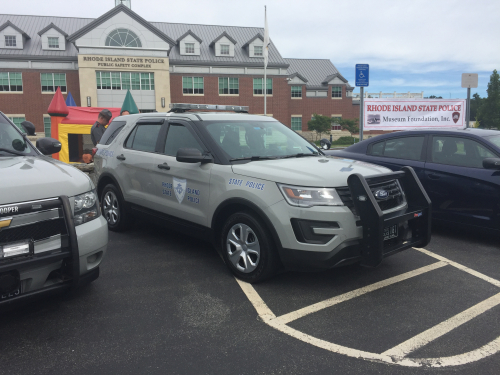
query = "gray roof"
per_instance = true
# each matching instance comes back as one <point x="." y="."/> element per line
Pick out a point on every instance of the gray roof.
<point x="78" y="26"/>
<point x="259" y="35"/>
<point x="224" y="34"/>
<point x="51" y="26"/>
<point x="189" y="32"/>
<point x="316" y="71"/>
<point x="8" y="23"/>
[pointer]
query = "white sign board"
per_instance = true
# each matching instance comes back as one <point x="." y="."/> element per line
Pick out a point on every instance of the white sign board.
<point x="469" y="80"/>
<point x="405" y="114"/>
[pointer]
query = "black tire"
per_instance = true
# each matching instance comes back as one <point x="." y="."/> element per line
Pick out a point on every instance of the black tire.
<point x="114" y="210"/>
<point x="243" y="261"/>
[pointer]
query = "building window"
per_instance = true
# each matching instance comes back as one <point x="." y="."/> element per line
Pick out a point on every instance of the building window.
<point x="224" y="49"/>
<point x="192" y="85"/>
<point x="125" y="81"/>
<point x="10" y="81"/>
<point x="228" y="86"/>
<point x="336" y="92"/>
<point x="189" y="47"/>
<point x="123" y="38"/>
<point x="17" y="121"/>
<point x="336" y="123"/>
<point x="53" y="42"/>
<point x="297" y="123"/>
<point x="258" y="86"/>
<point x="10" y="41"/>
<point x="257" y="50"/>
<point x="296" y="91"/>
<point x="46" y="125"/>
<point x="51" y="81"/>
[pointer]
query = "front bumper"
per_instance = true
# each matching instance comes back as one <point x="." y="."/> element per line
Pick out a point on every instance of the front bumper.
<point x="55" y="269"/>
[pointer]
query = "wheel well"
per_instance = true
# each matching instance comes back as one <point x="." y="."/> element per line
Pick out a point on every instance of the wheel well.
<point x="103" y="181"/>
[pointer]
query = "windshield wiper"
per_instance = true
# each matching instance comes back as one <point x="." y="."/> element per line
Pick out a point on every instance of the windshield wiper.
<point x="12" y="151"/>
<point x="254" y="158"/>
<point x="299" y="155"/>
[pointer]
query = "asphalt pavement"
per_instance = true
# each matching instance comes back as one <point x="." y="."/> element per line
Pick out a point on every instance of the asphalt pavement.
<point x="166" y="304"/>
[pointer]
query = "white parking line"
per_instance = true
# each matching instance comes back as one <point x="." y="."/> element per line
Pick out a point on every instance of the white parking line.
<point x="439" y="330"/>
<point x="287" y="318"/>
<point x="396" y="355"/>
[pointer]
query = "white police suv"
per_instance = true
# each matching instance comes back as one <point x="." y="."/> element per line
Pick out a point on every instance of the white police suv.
<point x="260" y="192"/>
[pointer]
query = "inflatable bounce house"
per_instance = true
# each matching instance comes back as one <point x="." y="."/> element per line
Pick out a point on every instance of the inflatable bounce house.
<point x="71" y="126"/>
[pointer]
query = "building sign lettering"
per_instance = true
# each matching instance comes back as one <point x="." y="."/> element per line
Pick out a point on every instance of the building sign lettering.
<point x="111" y="62"/>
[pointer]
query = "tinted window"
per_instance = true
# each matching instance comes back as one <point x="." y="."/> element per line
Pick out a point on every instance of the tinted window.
<point x="11" y="139"/>
<point x="495" y="140"/>
<point x="180" y="137"/>
<point x="460" y="152"/>
<point x="409" y="148"/>
<point x="111" y="132"/>
<point x="144" y="138"/>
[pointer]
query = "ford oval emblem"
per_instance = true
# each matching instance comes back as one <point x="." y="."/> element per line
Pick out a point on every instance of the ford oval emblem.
<point x="381" y="194"/>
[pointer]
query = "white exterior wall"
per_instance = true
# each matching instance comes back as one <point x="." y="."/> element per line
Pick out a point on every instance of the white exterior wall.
<point x="189" y="39"/>
<point x="53" y="33"/>
<point x="145" y="99"/>
<point x="97" y="37"/>
<point x="224" y="40"/>
<point x="10" y="31"/>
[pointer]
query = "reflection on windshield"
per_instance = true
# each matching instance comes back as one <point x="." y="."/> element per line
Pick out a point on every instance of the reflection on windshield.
<point x="11" y="141"/>
<point x="495" y="140"/>
<point x="258" y="139"/>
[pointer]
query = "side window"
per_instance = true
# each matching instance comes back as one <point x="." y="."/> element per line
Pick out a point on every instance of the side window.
<point x="461" y="152"/>
<point x="409" y="148"/>
<point x="180" y="137"/>
<point x="143" y="138"/>
<point x="111" y="132"/>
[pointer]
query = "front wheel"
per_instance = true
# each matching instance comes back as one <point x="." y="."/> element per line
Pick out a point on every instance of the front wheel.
<point x="248" y="248"/>
<point x="114" y="210"/>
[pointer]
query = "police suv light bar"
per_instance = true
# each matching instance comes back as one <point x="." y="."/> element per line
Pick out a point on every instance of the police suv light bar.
<point x="183" y="107"/>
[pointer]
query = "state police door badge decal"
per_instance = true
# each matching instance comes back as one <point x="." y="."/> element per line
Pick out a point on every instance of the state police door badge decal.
<point x="179" y="189"/>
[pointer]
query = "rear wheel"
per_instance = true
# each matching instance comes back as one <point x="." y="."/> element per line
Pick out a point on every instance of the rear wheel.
<point x="114" y="210"/>
<point x="248" y="248"/>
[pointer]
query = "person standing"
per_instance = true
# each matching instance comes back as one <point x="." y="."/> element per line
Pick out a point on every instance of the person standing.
<point x="99" y="127"/>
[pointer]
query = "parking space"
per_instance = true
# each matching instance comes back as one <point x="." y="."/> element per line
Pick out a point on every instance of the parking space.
<point x="166" y="304"/>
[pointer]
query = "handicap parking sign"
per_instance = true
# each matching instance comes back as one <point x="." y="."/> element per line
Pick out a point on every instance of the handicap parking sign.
<point x="362" y="75"/>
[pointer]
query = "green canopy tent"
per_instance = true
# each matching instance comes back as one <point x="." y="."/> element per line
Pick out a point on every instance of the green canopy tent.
<point x="129" y="104"/>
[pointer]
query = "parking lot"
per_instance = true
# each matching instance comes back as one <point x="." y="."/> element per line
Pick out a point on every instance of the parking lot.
<point x="167" y="304"/>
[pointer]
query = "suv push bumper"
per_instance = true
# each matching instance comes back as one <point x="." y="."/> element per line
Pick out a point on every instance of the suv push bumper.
<point x="68" y="256"/>
<point x="413" y="222"/>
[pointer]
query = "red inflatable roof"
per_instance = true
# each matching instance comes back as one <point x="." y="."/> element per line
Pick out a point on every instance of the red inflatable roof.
<point x="86" y="115"/>
<point x="58" y="106"/>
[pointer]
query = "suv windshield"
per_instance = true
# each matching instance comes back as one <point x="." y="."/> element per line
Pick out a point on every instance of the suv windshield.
<point x="11" y="140"/>
<point x="258" y="139"/>
<point x="495" y="140"/>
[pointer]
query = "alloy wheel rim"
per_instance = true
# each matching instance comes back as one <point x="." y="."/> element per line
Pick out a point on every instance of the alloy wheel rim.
<point x="111" y="208"/>
<point x="243" y="248"/>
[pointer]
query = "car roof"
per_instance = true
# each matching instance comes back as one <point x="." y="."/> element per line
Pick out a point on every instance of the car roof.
<point x="196" y="116"/>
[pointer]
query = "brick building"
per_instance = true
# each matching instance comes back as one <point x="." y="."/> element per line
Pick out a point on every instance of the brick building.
<point x="97" y="60"/>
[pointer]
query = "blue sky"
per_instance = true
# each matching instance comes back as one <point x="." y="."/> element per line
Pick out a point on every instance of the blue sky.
<point x="418" y="45"/>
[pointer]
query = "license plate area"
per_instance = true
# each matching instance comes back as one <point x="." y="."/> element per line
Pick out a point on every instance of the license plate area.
<point x="390" y="232"/>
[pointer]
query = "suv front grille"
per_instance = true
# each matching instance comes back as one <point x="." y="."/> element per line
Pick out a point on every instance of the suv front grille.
<point x="36" y="231"/>
<point x="395" y="198"/>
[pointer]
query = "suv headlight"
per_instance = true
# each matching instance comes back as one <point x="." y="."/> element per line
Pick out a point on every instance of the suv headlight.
<point x="86" y="207"/>
<point x="309" y="196"/>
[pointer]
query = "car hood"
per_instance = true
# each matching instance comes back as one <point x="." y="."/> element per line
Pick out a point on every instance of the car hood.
<point x="323" y="171"/>
<point x="27" y="178"/>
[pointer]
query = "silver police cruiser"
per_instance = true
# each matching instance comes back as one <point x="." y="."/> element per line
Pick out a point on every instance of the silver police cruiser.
<point x="52" y="234"/>
<point x="262" y="194"/>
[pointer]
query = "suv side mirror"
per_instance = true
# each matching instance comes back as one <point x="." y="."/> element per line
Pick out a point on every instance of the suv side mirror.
<point x="28" y="127"/>
<point x="192" y="155"/>
<point x="491" y="163"/>
<point x="48" y="146"/>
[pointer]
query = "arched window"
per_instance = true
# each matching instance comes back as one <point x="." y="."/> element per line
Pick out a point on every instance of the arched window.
<point x="123" y="38"/>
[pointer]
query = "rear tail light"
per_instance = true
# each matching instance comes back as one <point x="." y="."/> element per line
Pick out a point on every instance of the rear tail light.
<point x="94" y="150"/>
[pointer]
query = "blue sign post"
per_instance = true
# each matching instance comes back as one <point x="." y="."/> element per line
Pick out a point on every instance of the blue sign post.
<point x="362" y="81"/>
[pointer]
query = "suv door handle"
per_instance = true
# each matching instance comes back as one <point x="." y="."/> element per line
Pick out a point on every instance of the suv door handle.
<point x="120" y="157"/>
<point x="164" y="166"/>
<point x="433" y="176"/>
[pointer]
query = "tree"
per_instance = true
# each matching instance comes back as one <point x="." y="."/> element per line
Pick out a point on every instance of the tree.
<point x="352" y="126"/>
<point x="433" y="97"/>
<point x="320" y="124"/>
<point x="489" y="112"/>
<point x="475" y="103"/>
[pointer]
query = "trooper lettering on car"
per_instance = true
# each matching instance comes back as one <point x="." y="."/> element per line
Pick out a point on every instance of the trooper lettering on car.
<point x="9" y="210"/>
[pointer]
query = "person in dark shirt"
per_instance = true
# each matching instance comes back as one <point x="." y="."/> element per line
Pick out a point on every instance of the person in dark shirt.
<point x="99" y="127"/>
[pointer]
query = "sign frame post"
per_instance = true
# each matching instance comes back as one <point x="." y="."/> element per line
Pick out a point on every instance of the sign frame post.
<point x="469" y="80"/>
<point x="362" y="80"/>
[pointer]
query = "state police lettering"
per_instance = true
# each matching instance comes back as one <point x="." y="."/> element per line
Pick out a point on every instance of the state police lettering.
<point x="255" y="185"/>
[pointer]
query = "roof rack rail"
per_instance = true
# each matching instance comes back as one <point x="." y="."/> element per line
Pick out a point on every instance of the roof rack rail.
<point x="183" y="107"/>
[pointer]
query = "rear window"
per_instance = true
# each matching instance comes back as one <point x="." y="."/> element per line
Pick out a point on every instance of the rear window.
<point x="112" y="132"/>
